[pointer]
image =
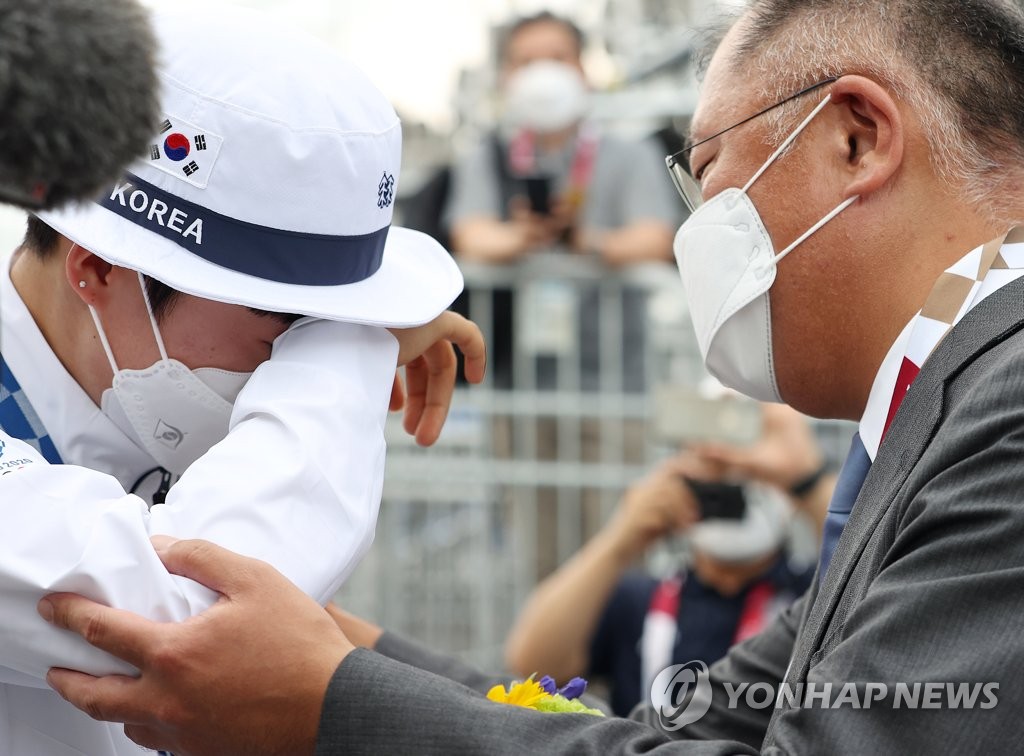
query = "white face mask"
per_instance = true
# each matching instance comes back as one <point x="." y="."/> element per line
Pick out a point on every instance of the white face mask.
<point x="728" y="264"/>
<point x="545" y="96"/>
<point x="174" y="413"/>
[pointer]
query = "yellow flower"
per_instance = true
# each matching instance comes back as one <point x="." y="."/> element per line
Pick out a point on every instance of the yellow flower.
<point x="527" y="694"/>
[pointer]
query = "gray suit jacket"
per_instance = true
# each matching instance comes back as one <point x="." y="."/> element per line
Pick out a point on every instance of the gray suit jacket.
<point x="926" y="586"/>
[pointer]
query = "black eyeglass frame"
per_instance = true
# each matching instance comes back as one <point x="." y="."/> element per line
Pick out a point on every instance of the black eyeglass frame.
<point x="678" y="163"/>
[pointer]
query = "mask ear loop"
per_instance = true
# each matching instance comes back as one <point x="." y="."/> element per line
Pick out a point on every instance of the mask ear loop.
<point x="775" y="156"/>
<point x="99" y="327"/>
<point x="152" y="318"/>
<point x="815" y="228"/>
<point x="103" y="338"/>
<point x="789" y="140"/>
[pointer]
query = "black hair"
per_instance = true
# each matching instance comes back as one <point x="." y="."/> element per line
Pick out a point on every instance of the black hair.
<point x="543" y="17"/>
<point x="42" y="241"/>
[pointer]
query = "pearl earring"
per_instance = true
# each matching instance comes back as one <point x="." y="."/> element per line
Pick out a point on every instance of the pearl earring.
<point x="81" y="284"/>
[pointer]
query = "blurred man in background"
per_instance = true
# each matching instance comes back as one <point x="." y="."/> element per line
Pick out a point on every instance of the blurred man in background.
<point x="548" y="181"/>
<point x="548" y="178"/>
<point x="595" y="619"/>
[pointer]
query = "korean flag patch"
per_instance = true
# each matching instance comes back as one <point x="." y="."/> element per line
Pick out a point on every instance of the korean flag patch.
<point x="185" y="150"/>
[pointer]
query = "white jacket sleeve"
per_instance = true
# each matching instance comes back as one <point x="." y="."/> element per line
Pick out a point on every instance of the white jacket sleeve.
<point x="297" y="483"/>
<point x="298" y="480"/>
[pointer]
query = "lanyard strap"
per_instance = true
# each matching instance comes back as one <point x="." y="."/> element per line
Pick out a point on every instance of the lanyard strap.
<point x="661" y="624"/>
<point x="19" y="420"/>
<point x="582" y="169"/>
<point x="522" y="160"/>
<point x="942" y="311"/>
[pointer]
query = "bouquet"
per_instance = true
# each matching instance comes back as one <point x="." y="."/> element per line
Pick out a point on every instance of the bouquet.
<point x="544" y="695"/>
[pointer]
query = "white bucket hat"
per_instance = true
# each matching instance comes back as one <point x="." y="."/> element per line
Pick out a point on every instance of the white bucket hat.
<point x="271" y="182"/>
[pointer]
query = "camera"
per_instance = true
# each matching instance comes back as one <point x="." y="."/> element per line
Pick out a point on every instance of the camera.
<point x="719" y="501"/>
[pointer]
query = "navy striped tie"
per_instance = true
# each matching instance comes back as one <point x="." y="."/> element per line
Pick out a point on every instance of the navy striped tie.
<point x="848" y="485"/>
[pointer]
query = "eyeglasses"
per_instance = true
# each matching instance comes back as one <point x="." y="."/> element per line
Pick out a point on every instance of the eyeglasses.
<point x="679" y="163"/>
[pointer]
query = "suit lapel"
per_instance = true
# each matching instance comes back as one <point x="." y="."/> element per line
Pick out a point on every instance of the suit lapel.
<point x="991" y="322"/>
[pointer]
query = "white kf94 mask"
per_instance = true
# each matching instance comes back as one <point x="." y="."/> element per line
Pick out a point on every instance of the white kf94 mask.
<point x="174" y="413"/>
<point x="728" y="264"/>
<point x="545" y="96"/>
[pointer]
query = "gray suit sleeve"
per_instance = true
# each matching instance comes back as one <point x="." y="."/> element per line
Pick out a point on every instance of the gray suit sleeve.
<point x="418" y="701"/>
<point x="378" y="705"/>
<point x="408" y="652"/>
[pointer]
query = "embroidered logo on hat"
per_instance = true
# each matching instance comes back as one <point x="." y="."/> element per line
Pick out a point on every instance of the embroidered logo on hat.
<point x="385" y="191"/>
<point x="185" y="151"/>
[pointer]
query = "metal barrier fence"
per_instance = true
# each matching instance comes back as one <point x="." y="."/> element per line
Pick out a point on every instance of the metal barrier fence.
<point x="532" y="463"/>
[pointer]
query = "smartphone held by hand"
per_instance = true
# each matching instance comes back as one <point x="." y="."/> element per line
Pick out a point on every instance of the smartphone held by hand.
<point x="538" y="191"/>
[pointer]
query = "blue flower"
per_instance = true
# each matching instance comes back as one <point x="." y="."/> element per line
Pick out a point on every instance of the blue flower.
<point x="572" y="689"/>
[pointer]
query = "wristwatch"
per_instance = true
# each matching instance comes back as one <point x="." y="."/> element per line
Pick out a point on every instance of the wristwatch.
<point x="804" y="486"/>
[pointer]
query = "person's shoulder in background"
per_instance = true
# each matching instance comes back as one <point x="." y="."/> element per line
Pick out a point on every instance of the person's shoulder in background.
<point x="474" y="190"/>
<point x="630" y="183"/>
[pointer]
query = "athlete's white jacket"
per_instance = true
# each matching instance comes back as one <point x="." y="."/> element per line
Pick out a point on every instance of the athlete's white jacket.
<point x="297" y="483"/>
